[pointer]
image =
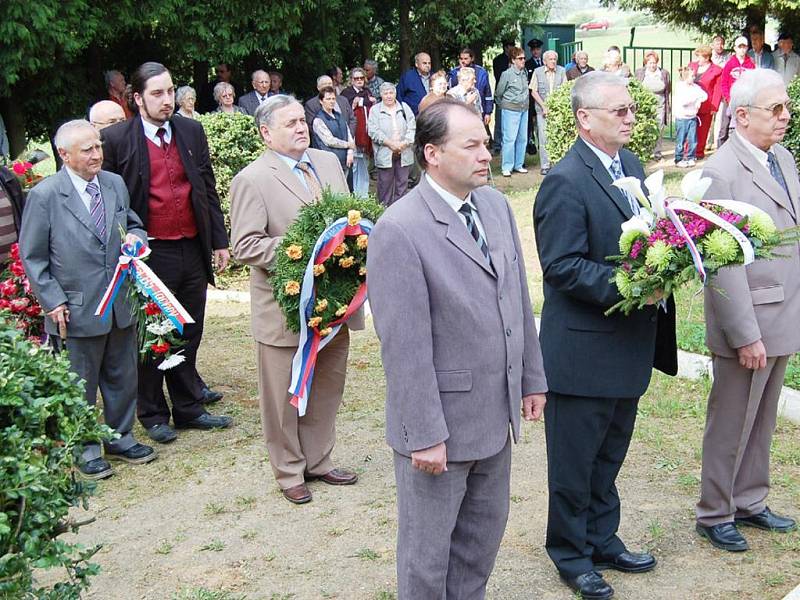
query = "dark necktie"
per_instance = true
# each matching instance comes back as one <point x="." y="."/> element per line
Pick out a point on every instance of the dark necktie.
<point x="775" y="171"/>
<point x="160" y="133"/>
<point x="472" y="227"/>
<point x="616" y="173"/>
<point x="96" y="208"/>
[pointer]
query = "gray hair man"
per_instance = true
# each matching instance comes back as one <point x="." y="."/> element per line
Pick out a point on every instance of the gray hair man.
<point x="449" y="252"/>
<point x="415" y="83"/>
<point x="544" y="81"/>
<point x="597" y="366"/>
<point x="313" y="105"/>
<point x="105" y="113"/>
<point x="250" y="101"/>
<point x="373" y="80"/>
<point x="747" y="310"/>
<point x="265" y="198"/>
<point x="70" y="243"/>
<point x="116" y="85"/>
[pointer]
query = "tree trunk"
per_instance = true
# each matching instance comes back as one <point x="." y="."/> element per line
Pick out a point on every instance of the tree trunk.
<point x="14" y="118"/>
<point x="200" y="73"/>
<point x="405" y="35"/>
<point x="756" y="15"/>
<point x="436" y="54"/>
<point x="365" y="41"/>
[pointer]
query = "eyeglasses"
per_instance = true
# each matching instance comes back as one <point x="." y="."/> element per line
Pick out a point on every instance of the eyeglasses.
<point x="620" y="112"/>
<point x="519" y="58"/>
<point x="776" y="109"/>
<point x="358" y="78"/>
<point x="109" y="122"/>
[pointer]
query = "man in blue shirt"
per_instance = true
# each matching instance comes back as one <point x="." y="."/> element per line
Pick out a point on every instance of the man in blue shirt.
<point x="466" y="58"/>
<point x="415" y="83"/>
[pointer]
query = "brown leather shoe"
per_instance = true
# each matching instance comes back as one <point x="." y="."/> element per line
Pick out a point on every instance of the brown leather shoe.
<point x="297" y="494"/>
<point x="336" y="477"/>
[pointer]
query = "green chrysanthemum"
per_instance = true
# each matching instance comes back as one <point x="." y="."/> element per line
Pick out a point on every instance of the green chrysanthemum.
<point x="721" y="247"/>
<point x="659" y="255"/>
<point x="762" y="227"/>
<point x="623" y="283"/>
<point x="626" y="241"/>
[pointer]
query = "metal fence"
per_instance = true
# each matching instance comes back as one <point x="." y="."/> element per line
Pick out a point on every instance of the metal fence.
<point x="671" y="59"/>
<point x="565" y="51"/>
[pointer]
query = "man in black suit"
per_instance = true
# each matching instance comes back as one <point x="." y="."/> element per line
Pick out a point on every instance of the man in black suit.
<point x="597" y="367"/>
<point x="534" y="62"/>
<point x="167" y="171"/>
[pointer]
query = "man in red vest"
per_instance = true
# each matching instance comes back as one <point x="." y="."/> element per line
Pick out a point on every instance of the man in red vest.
<point x="167" y="171"/>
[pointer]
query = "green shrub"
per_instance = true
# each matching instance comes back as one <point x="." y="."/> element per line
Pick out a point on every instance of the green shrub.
<point x="561" y="131"/>
<point x="43" y="420"/>
<point x="792" y="138"/>
<point x="233" y="143"/>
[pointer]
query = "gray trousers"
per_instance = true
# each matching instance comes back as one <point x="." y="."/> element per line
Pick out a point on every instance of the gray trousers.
<point x="742" y="410"/>
<point x="450" y="526"/>
<point x="108" y="362"/>
<point x="541" y="138"/>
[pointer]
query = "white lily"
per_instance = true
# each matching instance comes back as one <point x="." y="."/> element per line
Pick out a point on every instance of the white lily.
<point x="658" y="194"/>
<point x="172" y="361"/>
<point x="636" y="223"/>
<point x="694" y="185"/>
<point x="632" y="186"/>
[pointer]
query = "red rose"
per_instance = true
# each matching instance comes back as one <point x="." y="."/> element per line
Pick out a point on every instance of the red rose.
<point x="33" y="310"/>
<point x="19" y="168"/>
<point x="8" y="289"/>
<point x="28" y="166"/>
<point x="4" y="304"/>
<point x="14" y="253"/>
<point x="151" y="308"/>
<point x="19" y="304"/>
<point x="17" y="269"/>
<point x="161" y="348"/>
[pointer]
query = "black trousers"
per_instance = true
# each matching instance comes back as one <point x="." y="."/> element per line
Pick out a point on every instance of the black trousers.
<point x="587" y="439"/>
<point x="181" y="266"/>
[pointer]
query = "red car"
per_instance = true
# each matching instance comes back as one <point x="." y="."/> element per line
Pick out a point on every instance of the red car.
<point x="596" y="24"/>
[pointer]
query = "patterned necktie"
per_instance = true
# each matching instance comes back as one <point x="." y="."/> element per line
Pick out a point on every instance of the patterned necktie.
<point x="314" y="188"/>
<point x="472" y="227"/>
<point x="96" y="208"/>
<point x="775" y="171"/>
<point x="616" y="173"/>
<point x="160" y="133"/>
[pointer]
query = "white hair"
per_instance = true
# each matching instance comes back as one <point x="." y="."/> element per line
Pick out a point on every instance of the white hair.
<point x="265" y="113"/>
<point x="750" y="84"/>
<point x="386" y="86"/>
<point x="66" y="134"/>
<point x="550" y="53"/>
<point x="182" y="92"/>
<point x="256" y="73"/>
<point x="322" y="78"/>
<point x="585" y="92"/>
<point x="580" y="53"/>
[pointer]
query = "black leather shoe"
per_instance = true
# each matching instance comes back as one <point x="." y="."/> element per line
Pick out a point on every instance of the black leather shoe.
<point x="769" y="521"/>
<point x="210" y="396"/>
<point x="207" y="421"/>
<point x="161" y="433"/>
<point x="627" y="562"/>
<point x="138" y="454"/>
<point x="95" y="469"/>
<point x="724" y="536"/>
<point x="591" y="586"/>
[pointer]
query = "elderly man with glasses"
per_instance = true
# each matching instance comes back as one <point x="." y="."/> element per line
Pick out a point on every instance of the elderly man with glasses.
<point x="597" y="367"/>
<point x="747" y="310"/>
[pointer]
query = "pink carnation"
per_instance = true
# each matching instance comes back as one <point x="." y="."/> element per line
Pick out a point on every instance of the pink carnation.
<point x="636" y="248"/>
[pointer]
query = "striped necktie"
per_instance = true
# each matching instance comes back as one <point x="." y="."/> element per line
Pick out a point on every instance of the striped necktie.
<point x="314" y="188"/>
<point x="96" y="209"/>
<point x="472" y="227"/>
<point x="775" y="171"/>
<point x="616" y="173"/>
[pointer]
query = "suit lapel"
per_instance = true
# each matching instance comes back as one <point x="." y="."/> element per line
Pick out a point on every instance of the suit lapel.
<point x="288" y="179"/>
<point x="791" y="182"/>
<point x="75" y="205"/>
<point x="493" y="230"/>
<point x="762" y="178"/>
<point x="457" y="233"/>
<point x="144" y="158"/>
<point x="603" y="178"/>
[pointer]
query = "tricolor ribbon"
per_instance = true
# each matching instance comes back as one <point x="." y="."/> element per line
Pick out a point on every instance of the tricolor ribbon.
<point x="311" y="342"/>
<point x="692" y="207"/>
<point x="131" y="264"/>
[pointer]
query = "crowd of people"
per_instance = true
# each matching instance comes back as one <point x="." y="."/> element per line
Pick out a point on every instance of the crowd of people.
<point x="447" y="283"/>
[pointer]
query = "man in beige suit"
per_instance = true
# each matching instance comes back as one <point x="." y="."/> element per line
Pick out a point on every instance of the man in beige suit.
<point x="265" y="198"/>
<point x="752" y="323"/>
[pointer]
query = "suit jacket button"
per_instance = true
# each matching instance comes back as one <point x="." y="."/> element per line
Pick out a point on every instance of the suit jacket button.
<point x="501" y="296"/>
<point x="508" y="332"/>
<point x="654" y="318"/>
<point x="510" y="368"/>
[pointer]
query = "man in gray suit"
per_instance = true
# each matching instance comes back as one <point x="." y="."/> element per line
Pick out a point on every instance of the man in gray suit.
<point x="449" y="296"/>
<point x="70" y="244"/>
<point x="785" y="60"/>
<point x="751" y="324"/>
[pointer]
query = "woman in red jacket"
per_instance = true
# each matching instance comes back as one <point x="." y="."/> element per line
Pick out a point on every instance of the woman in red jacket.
<point x="707" y="76"/>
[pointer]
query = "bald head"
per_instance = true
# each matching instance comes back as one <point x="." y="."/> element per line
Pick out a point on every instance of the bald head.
<point x="106" y="113"/>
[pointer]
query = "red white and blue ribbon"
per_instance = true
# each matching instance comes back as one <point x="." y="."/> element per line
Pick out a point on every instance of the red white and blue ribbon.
<point x="311" y="342"/>
<point x="131" y="265"/>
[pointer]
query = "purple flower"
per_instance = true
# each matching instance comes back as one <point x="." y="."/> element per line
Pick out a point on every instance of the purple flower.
<point x="636" y="248"/>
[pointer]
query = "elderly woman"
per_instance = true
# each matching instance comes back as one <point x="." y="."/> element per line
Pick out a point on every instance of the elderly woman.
<point x="656" y="79"/>
<point x="438" y="85"/>
<point x="707" y="76"/>
<point x="512" y="95"/>
<point x="391" y="127"/>
<point x="185" y="98"/>
<point x="331" y="131"/>
<point x="612" y="63"/>
<point x="224" y="94"/>
<point x="466" y="90"/>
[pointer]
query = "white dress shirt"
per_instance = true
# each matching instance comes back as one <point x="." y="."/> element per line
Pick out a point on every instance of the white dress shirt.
<point x="455" y="203"/>
<point x="150" y="131"/>
<point x="292" y="164"/>
<point x="79" y="183"/>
